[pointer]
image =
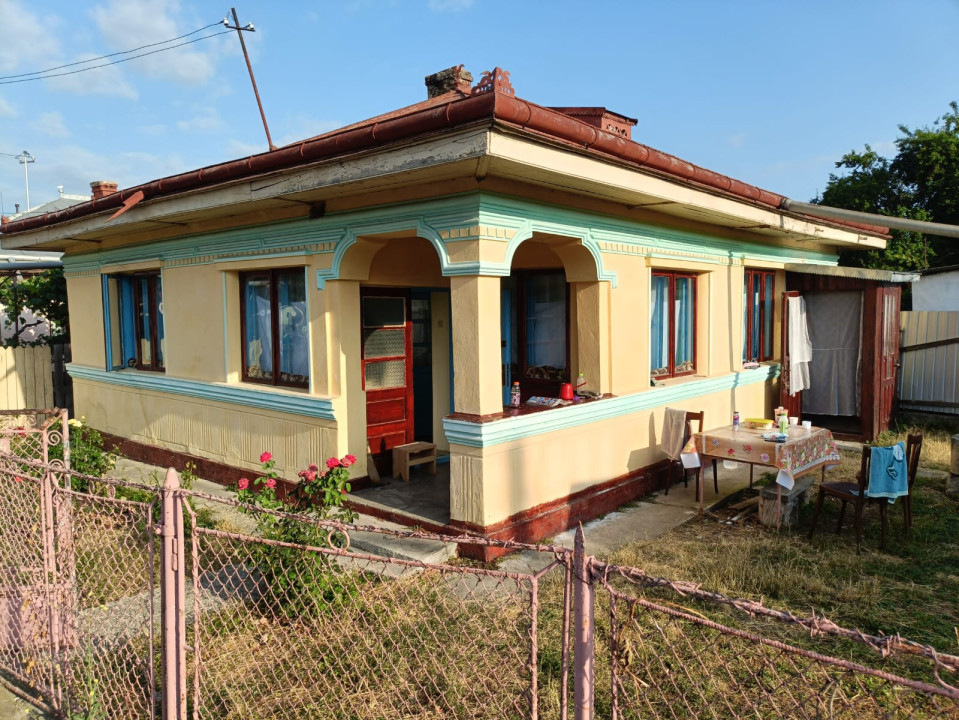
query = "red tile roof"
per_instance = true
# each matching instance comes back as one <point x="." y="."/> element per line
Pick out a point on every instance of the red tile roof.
<point x="491" y="101"/>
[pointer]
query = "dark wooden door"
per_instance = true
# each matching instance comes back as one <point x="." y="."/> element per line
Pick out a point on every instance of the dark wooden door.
<point x="387" y="369"/>
<point x="792" y="403"/>
<point x="888" y="353"/>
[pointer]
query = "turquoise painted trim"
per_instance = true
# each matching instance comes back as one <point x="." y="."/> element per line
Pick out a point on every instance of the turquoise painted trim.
<point x="244" y="395"/>
<point x="509" y="429"/>
<point x="335" y="233"/>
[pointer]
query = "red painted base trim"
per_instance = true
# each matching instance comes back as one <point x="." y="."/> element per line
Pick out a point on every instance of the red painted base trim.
<point x="558" y="515"/>
<point x="528" y="526"/>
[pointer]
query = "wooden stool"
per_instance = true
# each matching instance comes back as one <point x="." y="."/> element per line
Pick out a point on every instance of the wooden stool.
<point x="414" y="453"/>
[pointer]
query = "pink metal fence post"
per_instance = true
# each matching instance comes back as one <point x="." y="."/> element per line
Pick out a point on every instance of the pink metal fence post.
<point x="172" y="591"/>
<point x="583" y="629"/>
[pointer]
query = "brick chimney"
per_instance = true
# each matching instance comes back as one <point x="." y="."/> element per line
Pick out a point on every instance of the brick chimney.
<point x="102" y="188"/>
<point x="454" y="78"/>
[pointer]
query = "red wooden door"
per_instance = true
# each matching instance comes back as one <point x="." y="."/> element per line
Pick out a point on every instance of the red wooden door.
<point x="792" y="403"/>
<point x="387" y="369"/>
<point x="888" y="354"/>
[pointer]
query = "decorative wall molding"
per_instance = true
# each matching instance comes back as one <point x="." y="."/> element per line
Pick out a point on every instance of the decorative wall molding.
<point x="474" y="216"/>
<point x="245" y="395"/>
<point x="508" y="429"/>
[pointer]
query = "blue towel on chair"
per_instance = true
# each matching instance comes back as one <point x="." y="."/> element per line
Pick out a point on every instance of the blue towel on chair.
<point x="888" y="477"/>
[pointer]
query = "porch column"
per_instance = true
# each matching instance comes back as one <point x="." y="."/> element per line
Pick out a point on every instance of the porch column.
<point x="592" y="334"/>
<point x="477" y="376"/>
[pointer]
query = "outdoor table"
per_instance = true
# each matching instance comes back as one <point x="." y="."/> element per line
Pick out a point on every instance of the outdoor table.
<point x="803" y="452"/>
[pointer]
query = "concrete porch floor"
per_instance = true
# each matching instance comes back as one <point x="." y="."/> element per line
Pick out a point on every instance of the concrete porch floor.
<point x="424" y="498"/>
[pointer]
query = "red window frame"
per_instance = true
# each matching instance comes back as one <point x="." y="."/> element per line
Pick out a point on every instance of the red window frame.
<point x="751" y="354"/>
<point x="276" y="377"/>
<point x="671" y="369"/>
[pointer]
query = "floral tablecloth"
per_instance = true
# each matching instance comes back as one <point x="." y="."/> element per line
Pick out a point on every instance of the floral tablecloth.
<point x="803" y="450"/>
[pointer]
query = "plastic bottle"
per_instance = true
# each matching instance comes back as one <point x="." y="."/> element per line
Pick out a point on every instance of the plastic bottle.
<point x="783" y="424"/>
<point x="735" y="419"/>
<point x="514" y="395"/>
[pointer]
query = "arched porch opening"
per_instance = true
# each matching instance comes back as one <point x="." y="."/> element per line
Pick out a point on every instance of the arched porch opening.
<point x="550" y="317"/>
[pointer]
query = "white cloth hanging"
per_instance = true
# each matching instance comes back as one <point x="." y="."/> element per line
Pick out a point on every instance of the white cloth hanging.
<point x="800" y="348"/>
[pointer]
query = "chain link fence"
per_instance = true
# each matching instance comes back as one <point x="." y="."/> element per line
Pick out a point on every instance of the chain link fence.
<point x="123" y="602"/>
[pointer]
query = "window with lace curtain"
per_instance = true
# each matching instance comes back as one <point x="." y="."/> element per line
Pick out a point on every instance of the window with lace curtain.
<point x="672" y="308"/>
<point x="275" y="327"/>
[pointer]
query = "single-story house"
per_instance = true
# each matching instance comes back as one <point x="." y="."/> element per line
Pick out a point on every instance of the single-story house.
<point x="390" y="280"/>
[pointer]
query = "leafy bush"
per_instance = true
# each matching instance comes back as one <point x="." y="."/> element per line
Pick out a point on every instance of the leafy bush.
<point x="87" y="454"/>
<point x="300" y="581"/>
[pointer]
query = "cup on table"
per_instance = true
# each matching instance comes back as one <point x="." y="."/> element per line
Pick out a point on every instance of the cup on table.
<point x="807" y="425"/>
<point x="794" y="421"/>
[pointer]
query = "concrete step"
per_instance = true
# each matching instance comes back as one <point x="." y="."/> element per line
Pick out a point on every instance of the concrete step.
<point x="433" y="552"/>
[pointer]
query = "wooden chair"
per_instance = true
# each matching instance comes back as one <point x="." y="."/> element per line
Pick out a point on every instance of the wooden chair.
<point x="691" y="417"/>
<point x="855" y="493"/>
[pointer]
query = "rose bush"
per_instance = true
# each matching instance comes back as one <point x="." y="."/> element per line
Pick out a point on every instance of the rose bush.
<point x="300" y="580"/>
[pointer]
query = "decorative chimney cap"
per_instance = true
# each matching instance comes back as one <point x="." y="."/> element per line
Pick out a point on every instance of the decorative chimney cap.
<point x="495" y="80"/>
<point x="601" y="118"/>
<point x="102" y="188"/>
<point x="444" y="81"/>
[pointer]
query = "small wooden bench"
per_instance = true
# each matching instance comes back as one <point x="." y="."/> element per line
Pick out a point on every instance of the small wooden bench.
<point x="414" y="453"/>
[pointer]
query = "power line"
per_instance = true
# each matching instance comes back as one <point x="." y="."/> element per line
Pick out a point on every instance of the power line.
<point x="104" y="57"/>
<point x="115" y="62"/>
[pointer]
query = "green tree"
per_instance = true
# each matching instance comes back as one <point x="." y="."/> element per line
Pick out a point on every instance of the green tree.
<point x="921" y="182"/>
<point x="44" y="294"/>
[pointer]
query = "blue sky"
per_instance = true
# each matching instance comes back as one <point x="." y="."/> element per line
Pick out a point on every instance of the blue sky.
<point x="771" y="93"/>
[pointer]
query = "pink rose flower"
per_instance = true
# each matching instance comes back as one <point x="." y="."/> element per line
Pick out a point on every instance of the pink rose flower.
<point x="332" y="463"/>
<point x="350" y="460"/>
<point x="271" y="483"/>
<point x="313" y="467"/>
<point x="266" y="457"/>
<point x="243" y="484"/>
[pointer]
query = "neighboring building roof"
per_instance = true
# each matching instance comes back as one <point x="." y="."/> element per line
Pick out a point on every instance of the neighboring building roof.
<point x="937" y="270"/>
<point x="54" y="206"/>
<point x="491" y="101"/>
<point x="890" y="276"/>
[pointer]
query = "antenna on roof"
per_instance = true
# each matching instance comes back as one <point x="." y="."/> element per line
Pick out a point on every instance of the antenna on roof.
<point x="239" y="31"/>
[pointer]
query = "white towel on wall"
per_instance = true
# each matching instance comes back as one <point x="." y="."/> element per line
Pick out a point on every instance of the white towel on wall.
<point x="800" y="348"/>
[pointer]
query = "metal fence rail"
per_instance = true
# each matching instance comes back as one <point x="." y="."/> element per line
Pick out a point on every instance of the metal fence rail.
<point x="120" y="602"/>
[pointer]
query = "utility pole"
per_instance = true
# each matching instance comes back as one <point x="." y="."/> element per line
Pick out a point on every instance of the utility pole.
<point x="239" y="32"/>
<point x="24" y="159"/>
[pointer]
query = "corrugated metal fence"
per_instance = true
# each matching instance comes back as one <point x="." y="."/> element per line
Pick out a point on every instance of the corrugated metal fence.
<point x="929" y="373"/>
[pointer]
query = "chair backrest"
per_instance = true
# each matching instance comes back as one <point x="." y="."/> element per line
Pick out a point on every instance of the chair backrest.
<point x="913" y="449"/>
<point x="694" y="417"/>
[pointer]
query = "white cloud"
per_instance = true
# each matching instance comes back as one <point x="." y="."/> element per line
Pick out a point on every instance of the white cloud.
<point x="28" y="43"/>
<point x="126" y="24"/>
<point x="450" y="5"/>
<point x="102" y="81"/>
<point x="6" y="109"/>
<point x="206" y="121"/>
<point x="51" y="123"/>
<point x="736" y="140"/>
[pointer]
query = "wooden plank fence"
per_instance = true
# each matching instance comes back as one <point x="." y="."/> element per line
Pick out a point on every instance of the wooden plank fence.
<point x="929" y="357"/>
<point x="35" y="377"/>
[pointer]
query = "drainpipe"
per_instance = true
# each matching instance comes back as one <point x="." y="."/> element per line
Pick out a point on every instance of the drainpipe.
<point x="824" y="211"/>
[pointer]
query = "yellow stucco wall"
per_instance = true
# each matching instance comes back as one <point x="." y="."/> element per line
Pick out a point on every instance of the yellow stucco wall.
<point x="488" y="485"/>
<point x="85" y="303"/>
<point x="223" y="432"/>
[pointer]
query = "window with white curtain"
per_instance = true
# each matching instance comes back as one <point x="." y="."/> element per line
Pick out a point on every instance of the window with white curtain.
<point x="672" y="308"/>
<point x="275" y="327"/>
<point x="757" y="315"/>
